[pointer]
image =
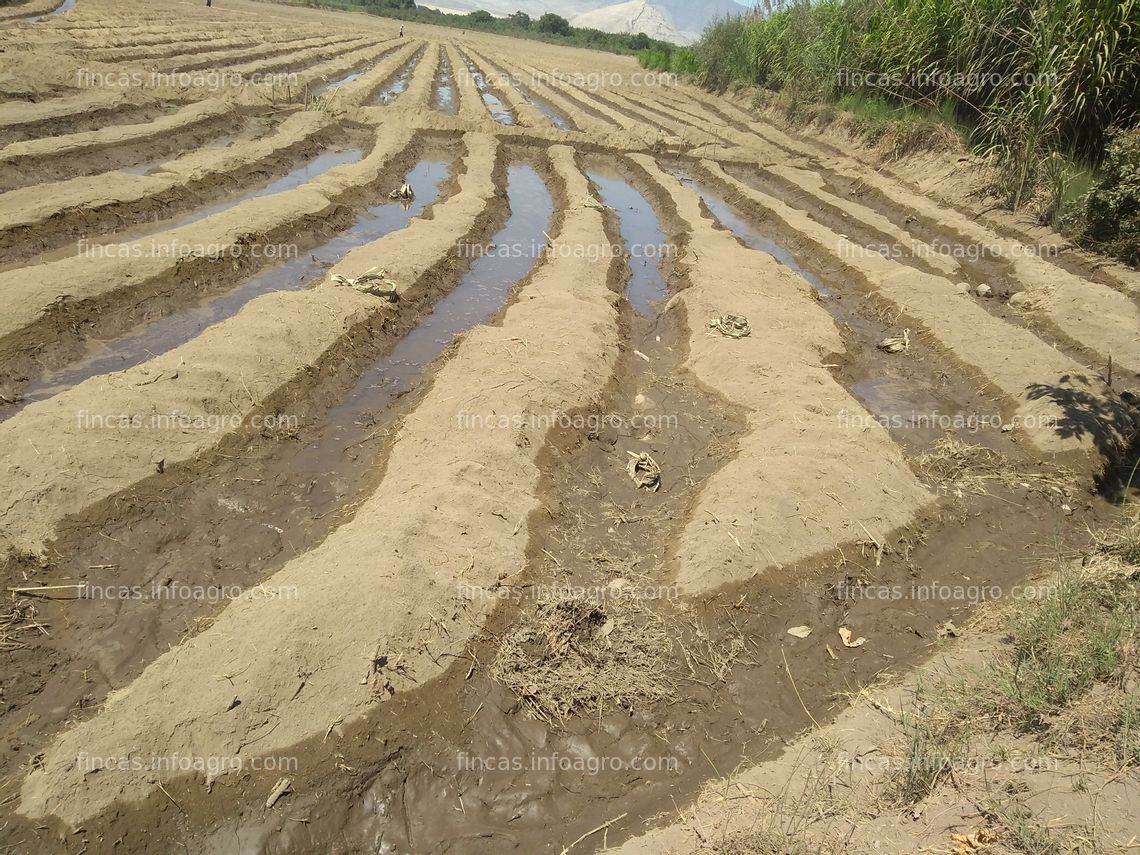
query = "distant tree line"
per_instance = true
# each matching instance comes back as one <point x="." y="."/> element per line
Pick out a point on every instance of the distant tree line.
<point x="548" y="28"/>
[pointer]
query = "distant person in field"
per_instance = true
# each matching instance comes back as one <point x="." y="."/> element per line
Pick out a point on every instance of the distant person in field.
<point x="401" y="31"/>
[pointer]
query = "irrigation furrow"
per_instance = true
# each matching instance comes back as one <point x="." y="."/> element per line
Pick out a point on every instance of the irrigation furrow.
<point x="25" y="163"/>
<point x="584" y="117"/>
<point x="806" y="190"/>
<point x="471" y="106"/>
<point x="425" y="501"/>
<point x="29" y="9"/>
<point x="444" y="98"/>
<point x="334" y="69"/>
<point x="390" y="83"/>
<point x="699" y="133"/>
<point x="52" y="309"/>
<point x="235" y="370"/>
<point x="157" y="336"/>
<point x="542" y="106"/>
<point x="794" y="442"/>
<point x="44" y="217"/>
<point x="527" y="115"/>
<point x="1056" y="403"/>
<point x="204" y="45"/>
<point x="1089" y="313"/>
<point x="102" y="104"/>
<point x="417" y="96"/>
<point x="196" y="61"/>
<point x="1103" y="320"/>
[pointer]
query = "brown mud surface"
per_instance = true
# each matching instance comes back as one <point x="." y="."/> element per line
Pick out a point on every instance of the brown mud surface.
<point x="262" y="523"/>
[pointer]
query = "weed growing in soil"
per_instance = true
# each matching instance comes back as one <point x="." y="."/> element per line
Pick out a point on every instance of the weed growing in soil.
<point x="1066" y="676"/>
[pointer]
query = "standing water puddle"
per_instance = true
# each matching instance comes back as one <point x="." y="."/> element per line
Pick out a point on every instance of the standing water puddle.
<point x="399" y="83"/>
<point x="443" y="98"/>
<point x="165" y="333"/>
<point x="336" y="84"/>
<point x="731" y="219"/>
<point x="557" y="118"/>
<point x="644" y="240"/>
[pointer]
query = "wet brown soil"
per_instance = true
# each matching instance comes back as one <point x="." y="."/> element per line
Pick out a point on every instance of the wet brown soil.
<point x="73" y="332"/>
<point x="38" y="170"/>
<point x="461" y="766"/>
<point x="178" y="206"/>
<point x="263" y="498"/>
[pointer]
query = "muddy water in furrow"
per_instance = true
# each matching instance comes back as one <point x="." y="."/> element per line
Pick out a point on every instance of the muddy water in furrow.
<point x="105" y="245"/>
<point x="333" y="85"/>
<point x="1053" y="249"/>
<point x="262" y="503"/>
<point x="158" y="336"/>
<point x="480" y="294"/>
<point x="484" y="777"/>
<point x="59" y="10"/>
<point x="492" y="778"/>
<point x="498" y="110"/>
<point x="557" y="118"/>
<point x="443" y="98"/>
<point x="983" y="263"/>
<point x="390" y="92"/>
<point x="294" y="178"/>
<point x="917" y="396"/>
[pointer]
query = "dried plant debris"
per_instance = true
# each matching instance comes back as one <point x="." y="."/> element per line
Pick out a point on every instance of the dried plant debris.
<point x="375" y="282"/>
<point x="733" y="326"/>
<point x="644" y="471"/>
<point x="963" y="468"/>
<point x="577" y="654"/>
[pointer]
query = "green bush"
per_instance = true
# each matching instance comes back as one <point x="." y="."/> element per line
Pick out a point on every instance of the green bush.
<point x="1112" y="210"/>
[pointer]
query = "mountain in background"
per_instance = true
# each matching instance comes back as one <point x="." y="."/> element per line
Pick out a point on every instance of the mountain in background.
<point x="674" y="21"/>
<point x="677" y="21"/>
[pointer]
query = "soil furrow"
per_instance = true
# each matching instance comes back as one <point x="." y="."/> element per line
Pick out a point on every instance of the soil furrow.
<point x="53" y="311"/>
<point x="25" y="163"/>
<point x="462" y="502"/>
<point x="41" y="218"/>
<point x="197" y="382"/>
<point x="155" y="337"/>
<point x="1056" y="403"/>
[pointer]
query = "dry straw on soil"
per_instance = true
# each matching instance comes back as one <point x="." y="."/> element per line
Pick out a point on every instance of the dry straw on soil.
<point x="579" y="654"/>
<point x="964" y="468"/>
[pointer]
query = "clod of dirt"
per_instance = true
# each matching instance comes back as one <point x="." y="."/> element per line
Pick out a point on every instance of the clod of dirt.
<point x="644" y="471"/>
<point x="576" y="654"/>
<point x="984" y="291"/>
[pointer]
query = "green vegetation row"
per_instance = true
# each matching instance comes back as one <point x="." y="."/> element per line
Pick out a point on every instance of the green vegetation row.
<point x="1049" y="89"/>
<point x="550" y="28"/>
